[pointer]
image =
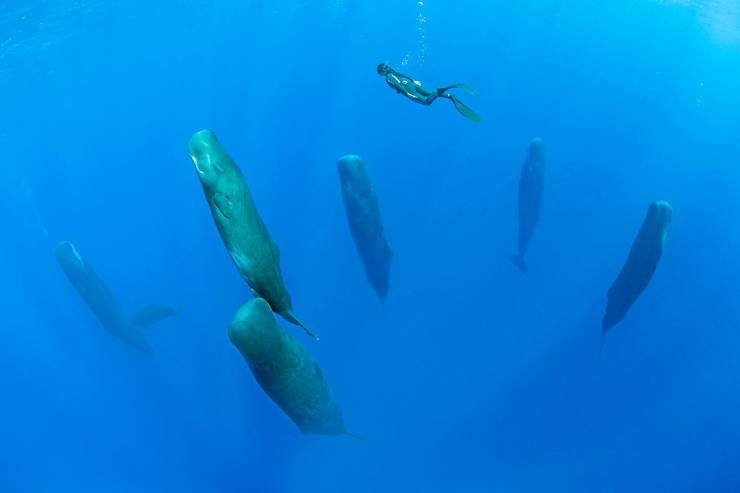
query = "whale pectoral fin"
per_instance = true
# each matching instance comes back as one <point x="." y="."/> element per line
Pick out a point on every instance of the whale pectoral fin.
<point x="224" y="204"/>
<point x="275" y="250"/>
<point x="150" y="315"/>
<point x="244" y="264"/>
<point x="356" y="437"/>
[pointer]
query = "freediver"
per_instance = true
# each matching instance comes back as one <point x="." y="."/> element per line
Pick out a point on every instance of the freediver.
<point x="412" y="89"/>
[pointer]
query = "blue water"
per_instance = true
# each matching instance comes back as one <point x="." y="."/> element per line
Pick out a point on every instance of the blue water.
<point x="470" y="377"/>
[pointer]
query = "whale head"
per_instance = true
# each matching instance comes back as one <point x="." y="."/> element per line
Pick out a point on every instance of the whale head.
<point x="537" y="145"/>
<point x="350" y="167"/>
<point x="204" y="149"/>
<point x="660" y="213"/>
<point x="536" y="153"/>
<point x="68" y="255"/>
<point x="221" y="178"/>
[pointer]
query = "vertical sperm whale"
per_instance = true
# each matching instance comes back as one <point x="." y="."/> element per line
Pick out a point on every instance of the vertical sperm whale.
<point x="365" y="224"/>
<point x="285" y="370"/>
<point x="256" y="256"/>
<point x="640" y="265"/>
<point x="531" y="184"/>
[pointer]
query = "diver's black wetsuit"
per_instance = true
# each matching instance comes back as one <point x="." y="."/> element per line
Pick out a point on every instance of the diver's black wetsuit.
<point x="412" y="89"/>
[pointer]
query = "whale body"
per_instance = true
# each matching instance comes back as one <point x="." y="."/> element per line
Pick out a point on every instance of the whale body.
<point x="255" y="254"/>
<point x="640" y="265"/>
<point x="104" y="304"/>
<point x="365" y="224"/>
<point x="285" y="370"/>
<point x="531" y="185"/>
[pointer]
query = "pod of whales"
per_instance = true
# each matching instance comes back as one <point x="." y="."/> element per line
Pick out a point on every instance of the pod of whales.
<point x="363" y="215"/>
<point x="640" y="265"/>
<point x="100" y="299"/>
<point x="285" y="370"/>
<point x="531" y="184"/>
<point x="244" y="233"/>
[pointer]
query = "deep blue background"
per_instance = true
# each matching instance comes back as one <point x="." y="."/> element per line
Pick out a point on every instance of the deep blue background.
<point x="470" y="377"/>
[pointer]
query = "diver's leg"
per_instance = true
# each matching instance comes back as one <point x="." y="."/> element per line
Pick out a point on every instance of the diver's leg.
<point x="429" y="99"/>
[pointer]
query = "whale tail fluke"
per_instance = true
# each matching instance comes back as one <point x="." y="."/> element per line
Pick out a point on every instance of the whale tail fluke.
<point x="290" y="317"/>
<point x="518" y="261"/>
<point x="150" y="315"/>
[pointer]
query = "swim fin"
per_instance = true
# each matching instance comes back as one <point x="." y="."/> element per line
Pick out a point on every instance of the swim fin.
<point x="464" y="110"/>
<point x="464" y="87"/>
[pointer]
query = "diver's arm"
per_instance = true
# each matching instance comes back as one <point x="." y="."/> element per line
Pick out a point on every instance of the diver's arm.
<point x="413" y="88"/>
<point x="393" y="81"/>
<point x="400" y="75"/>
<point x="413" y="96"/>
<point x="393" y="84"/>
